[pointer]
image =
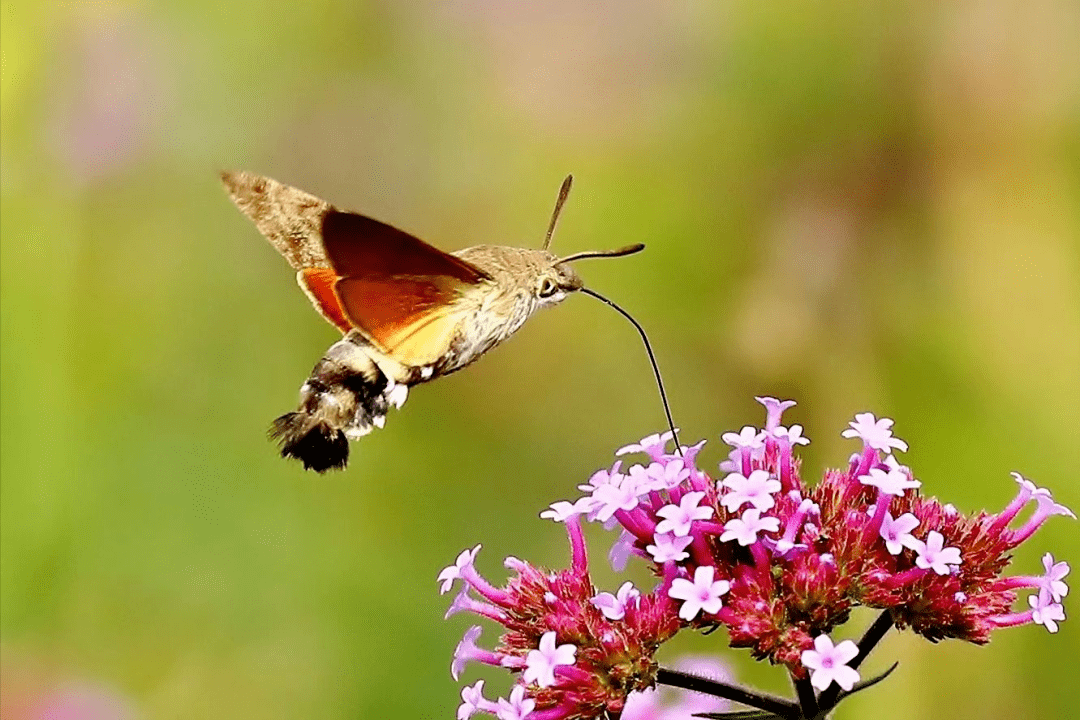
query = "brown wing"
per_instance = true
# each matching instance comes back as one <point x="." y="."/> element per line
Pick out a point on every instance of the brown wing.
<point x="290" y="219"/>
<point x="402" y="293"/>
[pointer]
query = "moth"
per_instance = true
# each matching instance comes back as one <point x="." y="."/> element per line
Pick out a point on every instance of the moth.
<point x="408" y="312"/>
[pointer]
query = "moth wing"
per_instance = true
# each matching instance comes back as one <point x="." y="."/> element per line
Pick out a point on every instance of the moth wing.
<point x="415" y="336"/>
<point x="401" y="293"/>
<point x="289" y="218"/>
<point x="318" y="285"/>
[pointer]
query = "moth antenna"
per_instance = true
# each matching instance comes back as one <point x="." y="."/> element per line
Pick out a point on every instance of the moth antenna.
<point x="628" y="250"/>
<point x="564" y="191"/>
<point x="652" y="360"/>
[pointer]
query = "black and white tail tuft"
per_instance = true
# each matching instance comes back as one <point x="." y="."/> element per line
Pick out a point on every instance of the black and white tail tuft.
<point x="345" y="398"/>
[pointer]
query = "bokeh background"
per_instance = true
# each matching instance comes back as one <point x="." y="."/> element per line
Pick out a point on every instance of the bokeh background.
<point x="861" y="206"/>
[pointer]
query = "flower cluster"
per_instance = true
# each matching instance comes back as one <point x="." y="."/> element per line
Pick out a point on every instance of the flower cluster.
<point x="779" y="565"/>
<point x="580" y="652"/>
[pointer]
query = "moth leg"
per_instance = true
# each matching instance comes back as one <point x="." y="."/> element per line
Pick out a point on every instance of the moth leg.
<point x="377" y="398"/>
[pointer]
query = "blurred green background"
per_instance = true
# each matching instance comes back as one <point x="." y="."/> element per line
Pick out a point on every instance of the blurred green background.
<point x="861" y="206"/>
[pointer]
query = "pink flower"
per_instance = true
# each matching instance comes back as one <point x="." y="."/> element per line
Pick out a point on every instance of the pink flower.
<point x="720" y="562"/>
<point x="611" y="498"/>
<point x="619" y="555"/>
<point x="678" y="518"/>
<point x="1048" y="614"/>
<point x="757" y="490"/>
<point x="668" y="547"/>
<point x="517" y="707"/>
<point x="560" y="511"/>
<point x="473" y="701"/>
<point x="792" y="434"/>
<point x="897" y="533"/>
<point x="774" y="411"/>
<point x="701" y="595"/>
<point x="749" y="437"/>
<point x="875" y="433"/>
<point x="828" y="663"/>
<point x="468" y="651"/>
<point x="614" y="606"/>
<point x="453" y="572"/>
<point x="893" y="482"/>
<point x="540" y="664"/>
<point x="1053" y="581"/>
<point x="602" y="477"/>
<point x="652" y="445"/>
<point x="933" y="556"/>
<point x="665" y="476"/>
<point x="745" y="530"/>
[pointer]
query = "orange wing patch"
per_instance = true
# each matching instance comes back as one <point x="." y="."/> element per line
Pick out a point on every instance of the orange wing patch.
<point x="392" y="311"/>
<point x="401" y="293"/>
<point x="318" y="285"/>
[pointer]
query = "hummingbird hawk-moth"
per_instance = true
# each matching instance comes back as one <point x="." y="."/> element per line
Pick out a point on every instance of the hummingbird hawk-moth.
<point x="408" y="312"/>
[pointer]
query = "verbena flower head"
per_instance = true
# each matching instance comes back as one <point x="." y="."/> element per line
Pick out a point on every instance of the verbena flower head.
<point x="579" y="651"/>
<point x="776" y="563"/>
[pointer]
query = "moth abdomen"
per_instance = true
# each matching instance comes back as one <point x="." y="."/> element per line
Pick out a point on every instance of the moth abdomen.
<point x="346" y="396"/>
<point x="315" y="443"/>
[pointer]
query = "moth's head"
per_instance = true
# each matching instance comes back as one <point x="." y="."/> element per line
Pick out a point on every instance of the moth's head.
<point x="555" y="281"/>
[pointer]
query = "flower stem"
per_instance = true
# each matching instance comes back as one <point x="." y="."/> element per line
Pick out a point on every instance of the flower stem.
<point x="807" y="697"/>
<point x="770" y="703"/>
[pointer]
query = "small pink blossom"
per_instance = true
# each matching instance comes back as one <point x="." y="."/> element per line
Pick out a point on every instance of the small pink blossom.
<point x="875" y="433"/>
<point x="602" y="477"/>
<point x="667" y="547"/>
<point x="613" y="497"/>
<point x="733" y="462"/>
<point x="757" y="490"/>
<point x="749" y="437"/>
<point x="1045" y="507"/>
<point x="792" y="434"/>
<point x="540" y="664"/>
<point x="1027" y="486"/>
<point x="897" y="533"/>
<point x="453" y="572"/>
<point x="473" y="701"/>
<point x="1054" y="579"/>
<point x="517" y="707"/>
<point x="828" y="663"/>
<point x="678" y="518"/>
<point x="893" y="482"/>
<point x="665" y="476"/>
<point x="620" y="552"/>
<point x="933" y="556"/>
<point x="745" y="530"/>
<point x="703" y="594"/>
<point x="652" y="445"/>
<point x="560" y="511"/>
<point x="774" y="410"/>
<point x="614" y="606"/>
<point x="468" y="651"/>
<point x="1048" y="614"/>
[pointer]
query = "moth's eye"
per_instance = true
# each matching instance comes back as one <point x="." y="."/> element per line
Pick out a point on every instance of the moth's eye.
<point x="548" y="288"/>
